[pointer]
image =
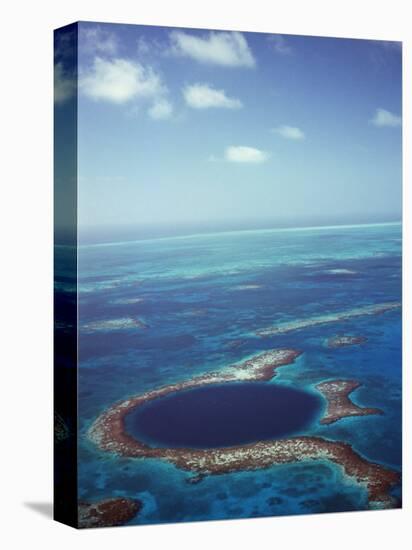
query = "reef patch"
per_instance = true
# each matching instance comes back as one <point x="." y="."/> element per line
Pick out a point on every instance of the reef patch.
<point x="345" y="340"/>
<point x="339" y="404"/>
<point x="107" y="513"/>
<point x="283" y="328"/>
<point x="108" y="325"/>
<point x="247" y="287"/>
<point x="127" y="301"/>
<point x="341" y="271"/>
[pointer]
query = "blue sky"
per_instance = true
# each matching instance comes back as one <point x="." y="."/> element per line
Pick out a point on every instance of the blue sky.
<point x="189" y="126"/>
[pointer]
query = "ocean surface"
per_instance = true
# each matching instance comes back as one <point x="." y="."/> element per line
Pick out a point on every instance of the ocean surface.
<point x="157" y="311"/>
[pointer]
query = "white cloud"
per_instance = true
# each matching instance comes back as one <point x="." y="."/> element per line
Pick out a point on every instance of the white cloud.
<point x="243" y="154"/>
<point x="203" y="96"/>
<point x="280" y="45"/>
<point x="64" y="84"/>
<point x="161" y="109"/>
<point x="119" y="81"/>
<point x="384" y="118"/>
<point x="289" y="132"/>
<point x="95" y="40"/>
<point x="228" y="49"/>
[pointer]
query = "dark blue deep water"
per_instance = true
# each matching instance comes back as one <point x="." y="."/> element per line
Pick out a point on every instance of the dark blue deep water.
<point x="160" y="311"/>
<point x="223" y="415"/>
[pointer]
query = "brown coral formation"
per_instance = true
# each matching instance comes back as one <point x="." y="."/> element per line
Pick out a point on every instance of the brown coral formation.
<point x="107" y="513"/>
<point x="108" y="433"/>
<point x="339" y="404"/>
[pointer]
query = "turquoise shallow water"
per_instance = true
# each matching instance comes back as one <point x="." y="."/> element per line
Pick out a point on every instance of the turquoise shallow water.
<point x="159" y="311"/>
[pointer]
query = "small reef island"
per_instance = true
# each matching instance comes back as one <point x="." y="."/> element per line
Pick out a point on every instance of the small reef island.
<point x="345" y="341"/>
<point x="109" y="432"/>
<point x="336" y="393"/>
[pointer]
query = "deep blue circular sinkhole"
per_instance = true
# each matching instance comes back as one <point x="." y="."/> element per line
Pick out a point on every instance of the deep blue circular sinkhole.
<point x="223" y="415"/>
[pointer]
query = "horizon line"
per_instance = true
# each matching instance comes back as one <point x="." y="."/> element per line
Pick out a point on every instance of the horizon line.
<point x="232" y="232"/>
